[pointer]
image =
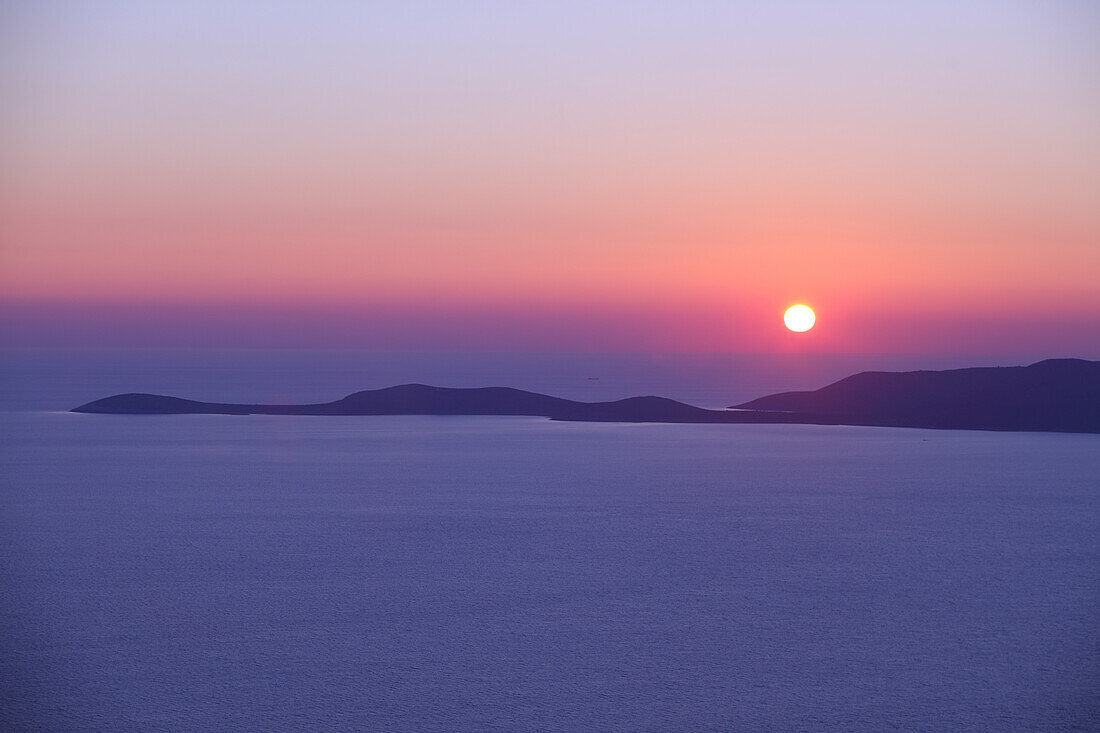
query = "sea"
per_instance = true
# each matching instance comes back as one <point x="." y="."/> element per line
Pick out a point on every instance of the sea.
<point x="418" y="573"/>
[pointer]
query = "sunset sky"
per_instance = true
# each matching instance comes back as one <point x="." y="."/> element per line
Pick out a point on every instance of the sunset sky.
<point x="556" y="175"/>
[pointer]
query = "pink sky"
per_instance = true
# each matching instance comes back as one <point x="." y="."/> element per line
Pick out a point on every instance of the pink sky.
<point x="639" y="177"/>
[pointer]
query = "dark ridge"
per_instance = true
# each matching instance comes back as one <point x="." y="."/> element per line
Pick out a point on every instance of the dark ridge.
<point x="136" y="403"/>
<point x="421" y="399"/>
<point x="1060" y="395"/>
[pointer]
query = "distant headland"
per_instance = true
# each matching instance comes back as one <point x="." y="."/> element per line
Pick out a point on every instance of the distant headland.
<point x="1056" y="395"/>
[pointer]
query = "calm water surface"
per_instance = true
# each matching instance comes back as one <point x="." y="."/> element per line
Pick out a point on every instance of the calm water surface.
<point x="480" y="573"/>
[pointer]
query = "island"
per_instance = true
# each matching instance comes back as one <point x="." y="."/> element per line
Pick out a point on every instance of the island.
<point x="1055" y="395"/>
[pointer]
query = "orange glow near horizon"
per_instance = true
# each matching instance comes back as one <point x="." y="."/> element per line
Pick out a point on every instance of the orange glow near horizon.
<point x="622" y="183"/>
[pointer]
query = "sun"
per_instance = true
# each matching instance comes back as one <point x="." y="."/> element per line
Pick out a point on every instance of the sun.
<point x="799" y="318"/>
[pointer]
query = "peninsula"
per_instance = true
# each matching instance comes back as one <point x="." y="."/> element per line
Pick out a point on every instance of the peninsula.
<point x="1058" y="395"/>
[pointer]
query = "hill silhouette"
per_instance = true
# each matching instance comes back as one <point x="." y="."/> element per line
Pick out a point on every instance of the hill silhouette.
<point x="1054" y="395"/>
<point x="1061" y="395"/>
<point x="422" y="399"/>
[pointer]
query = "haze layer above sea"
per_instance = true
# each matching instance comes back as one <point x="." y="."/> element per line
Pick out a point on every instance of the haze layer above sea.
<point x="59" y="379"/>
